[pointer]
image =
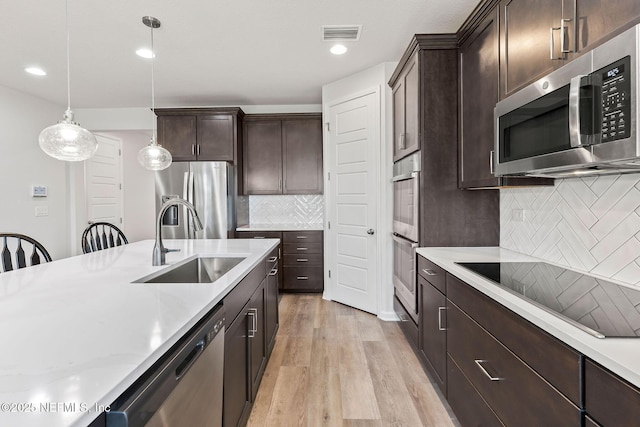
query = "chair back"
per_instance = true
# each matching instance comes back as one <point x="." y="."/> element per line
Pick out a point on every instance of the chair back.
<point x="102" y="235"/>
<point x="19" y="251"/>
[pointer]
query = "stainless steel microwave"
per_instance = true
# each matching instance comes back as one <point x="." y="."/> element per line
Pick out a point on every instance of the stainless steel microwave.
<point x="579" y="120"/>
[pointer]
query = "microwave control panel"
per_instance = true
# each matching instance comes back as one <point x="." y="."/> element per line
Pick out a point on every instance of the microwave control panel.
<point x="616" y="102"/>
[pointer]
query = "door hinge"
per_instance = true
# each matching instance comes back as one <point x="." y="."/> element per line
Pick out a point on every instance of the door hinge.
<point x="328" y="176"/>
<point x="328" y="126"/>
<point x="329" y="274"/>
<point x="120" y="220"/>
<point x="119" y="152"/>
<point x="329" y="225"/>
<point x="120" y="186"/>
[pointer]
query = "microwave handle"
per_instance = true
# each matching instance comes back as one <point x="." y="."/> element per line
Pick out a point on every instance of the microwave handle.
<point x="575" y="136"/>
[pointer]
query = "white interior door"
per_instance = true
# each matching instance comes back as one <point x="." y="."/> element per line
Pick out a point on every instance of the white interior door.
<point x="103" y="178"/>
<point x="354" y="144"/>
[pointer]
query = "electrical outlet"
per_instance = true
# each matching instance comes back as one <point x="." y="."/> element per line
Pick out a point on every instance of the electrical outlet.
<point x="517" y="215"/>
<point x="42" y="210"/>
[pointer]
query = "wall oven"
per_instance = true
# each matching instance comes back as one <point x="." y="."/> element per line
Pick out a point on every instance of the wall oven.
<point x="580" y="119"/>
<point x="406" y="177"/>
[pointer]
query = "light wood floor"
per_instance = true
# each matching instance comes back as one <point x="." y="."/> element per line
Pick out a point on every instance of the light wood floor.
<point x="333" y="365"/>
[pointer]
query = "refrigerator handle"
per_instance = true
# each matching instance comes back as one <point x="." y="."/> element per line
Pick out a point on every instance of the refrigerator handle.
<point x="192" y="232"/>
<point x="185" y="196"/>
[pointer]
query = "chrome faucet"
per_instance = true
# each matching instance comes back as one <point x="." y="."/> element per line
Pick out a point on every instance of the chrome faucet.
<point x="159" y="250"/>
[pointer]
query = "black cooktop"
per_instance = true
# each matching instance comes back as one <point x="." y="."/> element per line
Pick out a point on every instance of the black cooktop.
<point x="601" y="308"/>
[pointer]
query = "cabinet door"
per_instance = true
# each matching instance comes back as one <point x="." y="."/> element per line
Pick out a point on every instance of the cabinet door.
<point x="525" y="42"/>
<point x="271" y="304"/>
<point x="215" y="138"/>
<point x="609" y="399"/>
<point x="398" y="116"/>
<point x="263" y="157"/>
<point x="597" y="21"/>
<point x="178" y="135"/>
<point x="478" y="63"/>
<point x="237" y="399"/>
<point x="433" y="336"/>
<point x="302" y="149"/>
<point x="406" y="137"/>
<point x="257" y="336"/>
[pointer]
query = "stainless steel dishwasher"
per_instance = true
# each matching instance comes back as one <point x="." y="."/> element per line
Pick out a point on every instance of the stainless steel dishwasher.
<point x="184" y="388"/>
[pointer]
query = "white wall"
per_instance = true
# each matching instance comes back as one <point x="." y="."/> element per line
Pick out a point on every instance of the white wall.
<point x="377" y="76"/>
<point x="590" y="224"/>
<point x="23" y="164"/>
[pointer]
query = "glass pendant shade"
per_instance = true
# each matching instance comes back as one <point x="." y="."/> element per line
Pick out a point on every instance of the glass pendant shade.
<point x="154" y="157"/>
<point x="68" y="141"/>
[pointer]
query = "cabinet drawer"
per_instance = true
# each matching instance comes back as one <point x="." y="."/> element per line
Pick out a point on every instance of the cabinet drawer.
<point x="610" y="400"/>
<point x="302" y="248"/>
<point x="502" y="379"/>
<point x="259" y="235"/>
<point x="556" y="362"/>
<point x="302" y="236"/>
<point x="303" y="278"/>
<point x="301" y="260"/>
<point x="469" y="407"/>
<point x="434" y="274"/>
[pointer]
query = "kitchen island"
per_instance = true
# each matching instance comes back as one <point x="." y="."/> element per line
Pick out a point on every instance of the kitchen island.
<point x="76" y="333"/>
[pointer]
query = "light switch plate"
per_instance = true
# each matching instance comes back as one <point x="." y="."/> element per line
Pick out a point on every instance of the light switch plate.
<point x="38" y="191"/>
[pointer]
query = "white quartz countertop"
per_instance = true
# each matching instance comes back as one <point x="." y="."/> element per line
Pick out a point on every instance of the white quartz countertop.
<point x="281" y="227"/>
<point x="620" y="355"/>
<point x="76" y="333"/>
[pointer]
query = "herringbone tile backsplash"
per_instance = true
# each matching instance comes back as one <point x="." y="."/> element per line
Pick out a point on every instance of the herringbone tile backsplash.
<point x="286" y="209"/>
<point x="591" y="224"/>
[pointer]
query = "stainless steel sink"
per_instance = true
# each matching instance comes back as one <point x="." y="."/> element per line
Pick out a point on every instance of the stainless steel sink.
<point x="197" y="270"/>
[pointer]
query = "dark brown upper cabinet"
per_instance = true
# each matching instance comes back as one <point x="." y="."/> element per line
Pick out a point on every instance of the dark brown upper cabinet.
<point x="201" y="134"/>
<point x="479" y="87"/>
<point x="538" y="37"/>
<point x="283" y="154"/>
<point x="406" y="137"/>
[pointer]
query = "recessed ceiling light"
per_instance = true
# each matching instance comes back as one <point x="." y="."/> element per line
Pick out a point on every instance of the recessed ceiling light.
<point x="338" y="49"/>
<point x="145" y="53"/>
<point x="36" y="71"/>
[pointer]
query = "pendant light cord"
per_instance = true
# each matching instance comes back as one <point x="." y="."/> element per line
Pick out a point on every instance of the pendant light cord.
<point x="154" y="137"/>
<point x="66" y="13"/>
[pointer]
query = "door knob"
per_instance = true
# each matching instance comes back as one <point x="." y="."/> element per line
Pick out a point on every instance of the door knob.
<point x="370" y="232"/>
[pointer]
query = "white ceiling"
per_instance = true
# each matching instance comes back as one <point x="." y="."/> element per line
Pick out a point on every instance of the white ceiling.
<point x="209" y="52"/>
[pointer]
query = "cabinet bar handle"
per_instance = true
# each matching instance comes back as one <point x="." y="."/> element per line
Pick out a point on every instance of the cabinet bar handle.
<point x="272" y="259"/>
<point x="198" y="150"/>
<point x="273" y="272"/>
<point x="479" y="362"/>
<point x="402" y="142"/>
<point x="440" y="327"/>
<point x="252" y="332"/>
<point x="563" y="48"/>
<point x="429" y="272"/>
<point x="258" y="237"/>
<point x="303" y="277"/>
<point x="302" y="249"/>
<point x="193" y="149"/>
<point x="552" y="43"/>
<point x="301" y="237"/>
<point x="302" y="260"/>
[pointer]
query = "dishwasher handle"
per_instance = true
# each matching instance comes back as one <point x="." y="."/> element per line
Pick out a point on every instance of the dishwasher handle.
<point x="188" y="361"/>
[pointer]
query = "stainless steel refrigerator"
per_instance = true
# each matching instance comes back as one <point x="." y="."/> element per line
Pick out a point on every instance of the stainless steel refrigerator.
<point x="210" y="187"/>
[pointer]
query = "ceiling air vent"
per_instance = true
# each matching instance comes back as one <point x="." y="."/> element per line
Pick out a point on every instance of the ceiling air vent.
<point x="336" y="33"/>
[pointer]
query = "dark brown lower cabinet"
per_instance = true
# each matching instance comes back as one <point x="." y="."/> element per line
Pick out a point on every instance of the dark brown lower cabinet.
<point x="237" y="395"/>
<point x="433" y="337"/>
<point x="303" y="261"/>
<point x="251" y="309"/>
<point x="610" y="400"/>
<point x="514" y="391"/>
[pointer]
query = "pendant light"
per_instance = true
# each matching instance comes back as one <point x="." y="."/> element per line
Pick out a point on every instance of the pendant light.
<point x="66" y="140"/>
<point x="153" y="156"/>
